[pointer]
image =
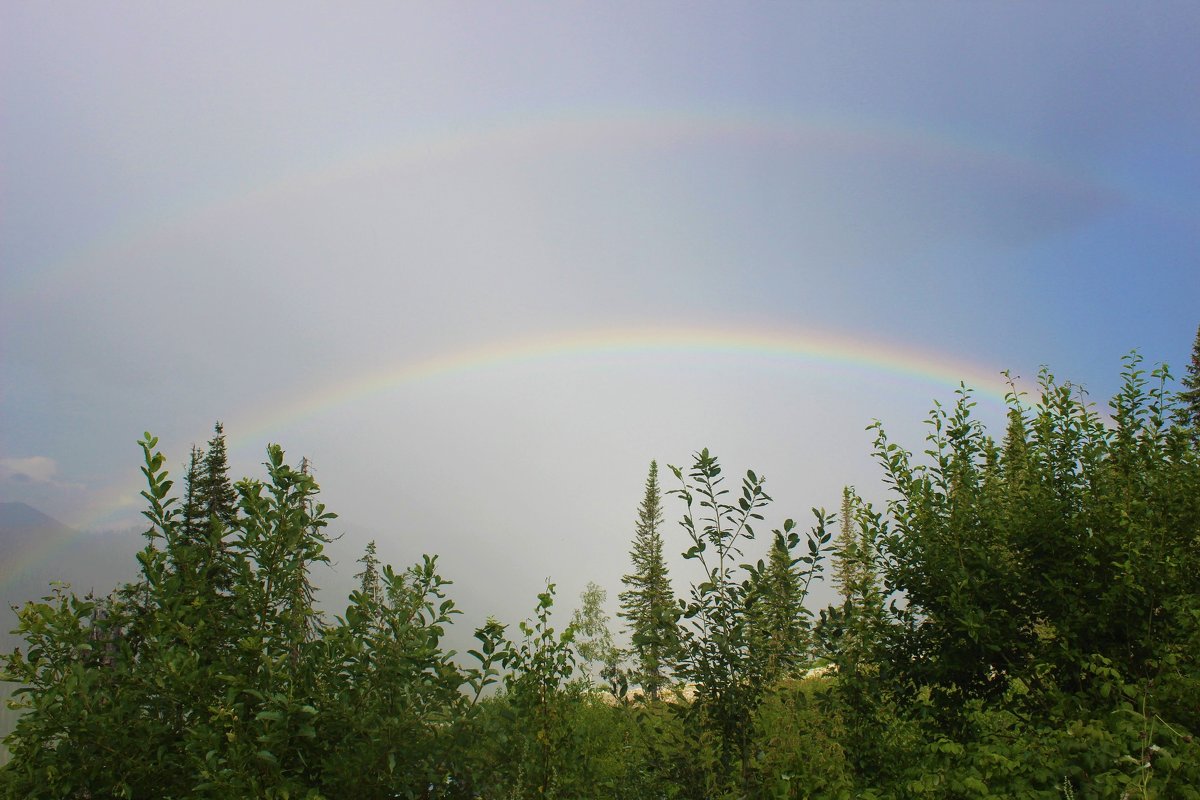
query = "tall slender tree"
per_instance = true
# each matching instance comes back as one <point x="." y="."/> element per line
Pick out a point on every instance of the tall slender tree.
<point x="648" y="604"/>
<point x="186" y="549"/>
<point x="369" y="582"/>
<point x="1190" y="396"/>
<point x="856" y="576"/>
<point x="208" y="491"/>
<point x="194" y="521"/>
<point x="778" y="615"/>
<point x="845" y="557"/>
<point x="219" y="497"/>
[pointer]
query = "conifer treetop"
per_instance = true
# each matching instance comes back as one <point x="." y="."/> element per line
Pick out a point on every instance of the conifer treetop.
<point x="1191" y="382"/>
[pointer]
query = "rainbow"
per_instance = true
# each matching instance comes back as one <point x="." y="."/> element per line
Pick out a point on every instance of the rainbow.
<point x="786" y="348"/>
<point x="791" y="348"/>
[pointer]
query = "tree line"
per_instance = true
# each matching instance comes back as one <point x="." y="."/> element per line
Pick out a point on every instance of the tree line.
<point x="1021" y="618"/>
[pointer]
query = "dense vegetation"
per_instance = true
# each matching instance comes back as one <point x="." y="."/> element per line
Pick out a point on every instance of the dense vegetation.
<point x="1022" y="619"/>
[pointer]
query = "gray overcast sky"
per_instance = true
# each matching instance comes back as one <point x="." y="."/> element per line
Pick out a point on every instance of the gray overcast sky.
<point x="483" y="262"/>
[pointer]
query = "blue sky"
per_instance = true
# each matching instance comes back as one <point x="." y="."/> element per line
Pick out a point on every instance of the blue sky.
<point x="211" y="210"/>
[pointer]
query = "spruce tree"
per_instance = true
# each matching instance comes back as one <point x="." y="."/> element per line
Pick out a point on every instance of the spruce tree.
<point x="648" y="604"/>
<point x="1190" y="397"/>
<point x="195" y="520"/>
<point x="219" y="498"/>
<point x="369" y="582"/>
<point x="208" y="515"/>
<point x="208" y="491"/>
<point x="778" y="613"/>
<point x="856" y="577"/>
<point x="846" y="558"/>
<point x="187" y="550"/>
<point x="854" y="574"/>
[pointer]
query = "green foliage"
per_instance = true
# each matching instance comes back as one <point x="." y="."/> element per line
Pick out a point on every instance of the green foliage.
<point x="394" y="705"/>
<point x="1074" y="539"/>
<point x="523" y="738"/>
<point x="1021" y="620"/>
<point x="170" y="689"/>
<point x="539" y="667"/>
<point x="724" y="652"/>
<point x="798" y="748"/>
<point x="1053" y="578"/>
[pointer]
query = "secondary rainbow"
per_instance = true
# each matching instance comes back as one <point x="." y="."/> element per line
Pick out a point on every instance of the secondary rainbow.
<point x="536" y="133"/>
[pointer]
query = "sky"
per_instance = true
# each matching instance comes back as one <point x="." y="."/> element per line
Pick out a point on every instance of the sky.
<point x="482" y="262"/>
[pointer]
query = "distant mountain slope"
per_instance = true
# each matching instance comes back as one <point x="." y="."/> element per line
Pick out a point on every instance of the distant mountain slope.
<point x="36" y="549"/>
<point x="23" y="526"/>
<point x="20" y="515"/>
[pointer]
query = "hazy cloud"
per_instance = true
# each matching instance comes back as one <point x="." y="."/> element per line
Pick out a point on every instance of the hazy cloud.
<point x="33" y="469"/>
